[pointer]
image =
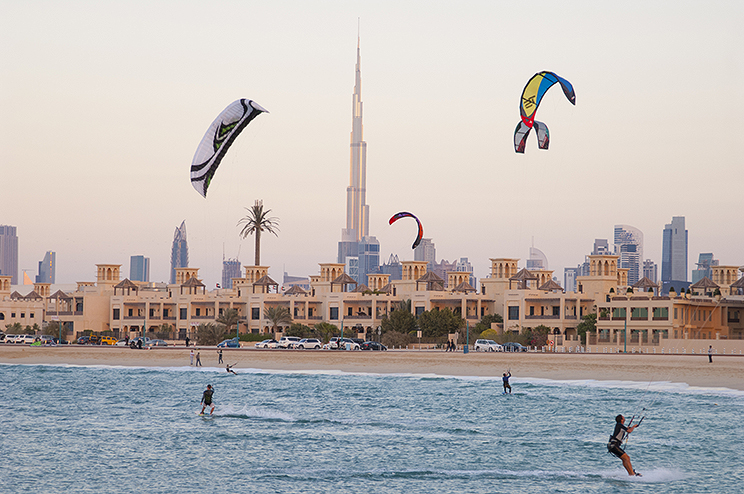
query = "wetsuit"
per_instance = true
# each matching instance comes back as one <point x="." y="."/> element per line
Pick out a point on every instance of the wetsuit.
<point x="207" y="397"/>
<point x="506" y="382"/>
<point x="616" y="440"/>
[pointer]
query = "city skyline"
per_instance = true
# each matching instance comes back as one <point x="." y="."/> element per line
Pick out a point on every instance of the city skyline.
<point x="441" y="116"/>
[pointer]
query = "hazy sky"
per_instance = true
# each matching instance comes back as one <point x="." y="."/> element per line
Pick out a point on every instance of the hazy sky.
<point x="102" y="105"/>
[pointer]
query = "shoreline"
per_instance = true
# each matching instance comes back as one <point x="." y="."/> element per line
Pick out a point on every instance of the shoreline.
<point x="694" y="370"/>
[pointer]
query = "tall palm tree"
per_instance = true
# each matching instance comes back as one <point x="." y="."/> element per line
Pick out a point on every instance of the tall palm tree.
<point x="229" y="318"/>
<point x="278" y="315"/>
<point x="256" y="221"/>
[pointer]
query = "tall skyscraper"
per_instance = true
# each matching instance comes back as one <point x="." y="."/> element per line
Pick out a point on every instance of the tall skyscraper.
<point x="629" y="246"/>
<point x="600" y="247"/>
<point x="651" y="270"/>
<point x="9" y="253"/>
<point x="537" y="259"/>
<point x="705" y="261"/>
<point x="425" y="251"/>
<point x="47" y="268"/>
<point x="179" y="251"/>
<point x="139" y="268"/>
<point x="356" y="234"/>
<point x="230" y="269"/>
<point x="674" y="251"/>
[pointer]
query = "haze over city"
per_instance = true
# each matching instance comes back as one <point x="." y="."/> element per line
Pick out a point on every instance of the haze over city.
<point x="102" y="106"/>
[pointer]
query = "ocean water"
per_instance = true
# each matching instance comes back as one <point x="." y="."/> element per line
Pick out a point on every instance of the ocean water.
<point x="113" y="429"/>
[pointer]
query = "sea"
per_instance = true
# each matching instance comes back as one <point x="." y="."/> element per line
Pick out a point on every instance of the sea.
<point x="104" y="429"/>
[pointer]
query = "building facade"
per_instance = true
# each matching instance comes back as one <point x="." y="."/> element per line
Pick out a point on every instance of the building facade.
<point x="139" y="268"/>
<point x="47" y="268"/>
<point x="9" y="253"/>
<point x="674" y="252"/>
<point x="179" y="251"/>
<point x="629" y="246"/>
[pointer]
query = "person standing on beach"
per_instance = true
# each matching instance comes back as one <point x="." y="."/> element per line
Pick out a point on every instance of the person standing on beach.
<point x="192" y="358"/>
<point x="219" y="354"/>
<point x="187" y="341"/>
<point x="616" y="442"/>
<point x="198" y="360"/>
<point x="710" y="354"/>
<point x="206" y="400"/>
<point x="505" y="378"/>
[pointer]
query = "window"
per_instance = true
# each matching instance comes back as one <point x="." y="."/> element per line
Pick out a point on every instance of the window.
<point x="129" y="312"/>
<point x="116" y="314"/>
<point x="79" y="306"/>
<point x="661" y="313"/>
<point x="198" y="312"/>
<point x="23" y="315"/>
<point x="334" y="312"/>
<point x="31" y="315"/>
<point x="350" y="312"/>
<point x="183" y="313"/>
<point x="419" y="311"/>
<point x="152" y="313"/>
<point x="2" y="316"/>
<point x="255" y="313"/>
<point x="310" y="312"/>
<point x="532" y="310"/>
<point x="556" y="310"/>
<point x="166" y="312"/>
<point x="514" y="313"/>
<point x="618" y="313"/>
<point x="675" y="316"/>
<point x="639" y="313"/>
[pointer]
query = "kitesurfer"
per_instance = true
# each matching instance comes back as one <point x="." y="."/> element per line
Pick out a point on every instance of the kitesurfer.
<point x="505" y="379"/>
<point x="229" y="367"/>
<point x="206" y="400"/>
<point x="616" y="442"/>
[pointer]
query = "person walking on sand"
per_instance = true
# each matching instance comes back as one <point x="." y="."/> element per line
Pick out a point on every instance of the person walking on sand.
<point x="505" y="379"/>
<point x="206" y="400"/>
<point x="616" y="442"/>
<point x="192" y="358"/>
<point x="710" y="354"/>
<point x="198" y="360"/>
<point x="219" y="355"/>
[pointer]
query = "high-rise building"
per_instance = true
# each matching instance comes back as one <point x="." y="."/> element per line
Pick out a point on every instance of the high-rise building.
<point x="47" y="268"/>
<point x="537" y="260"/>
<point x="393" y="267"/>
<point x="355" y="238"/>
<point x="179" y="251"/>
<point x="231" y="268"/>
<point x="651" y="270"/>
<point x="9" y="253"/>
<point x="629" y="246"/>
<point x="425" y="251"/>
<point x="601" y="246"/>
<point x="569" y="279"/>
<point x="703" y="270"/>
<point x="139" y="268"/>
<point x="674" y="251"/>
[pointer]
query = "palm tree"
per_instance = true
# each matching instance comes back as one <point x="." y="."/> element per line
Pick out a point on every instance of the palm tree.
<point x="229" y="318"/>
<point x="256" y="221"/>
<point x="278" y="315"/>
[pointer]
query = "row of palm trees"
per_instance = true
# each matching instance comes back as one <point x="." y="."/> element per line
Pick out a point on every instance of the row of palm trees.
<point x="227" y="324"/>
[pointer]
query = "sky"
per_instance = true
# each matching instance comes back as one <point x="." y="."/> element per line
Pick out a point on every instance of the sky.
<point x="102" y="106"/>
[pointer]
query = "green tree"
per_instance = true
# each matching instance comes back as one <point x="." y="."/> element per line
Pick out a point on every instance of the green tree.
<point x="536" y="336"/>
<point x="15" y="328"/>
<point x="485" y="323"/>
<point x="588" y="324"/>
<point x="278" y="316"/>
<point x="324" y="331"/>
<point x="52" y="329"/>
<point x="299" y="330"/>
<point x="210" y="333"/>
<point x="399" y="320"/>
<point x="229" y="318"/>
<point x="438" y="323"/>
<point x="489" y="334"/>
<point x="256" y="221"/>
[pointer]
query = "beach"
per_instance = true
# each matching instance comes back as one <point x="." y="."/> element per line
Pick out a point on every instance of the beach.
<point x="726" y="371"/>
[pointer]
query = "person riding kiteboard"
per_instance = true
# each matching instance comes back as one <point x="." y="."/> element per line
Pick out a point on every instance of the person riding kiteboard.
<point x="614" y="446"/>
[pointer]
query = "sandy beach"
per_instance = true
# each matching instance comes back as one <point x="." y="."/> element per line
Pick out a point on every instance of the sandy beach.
<point x="725" y="371"/>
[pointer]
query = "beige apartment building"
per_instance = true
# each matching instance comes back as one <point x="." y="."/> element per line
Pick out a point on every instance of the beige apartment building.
<point x="637" y="321"/>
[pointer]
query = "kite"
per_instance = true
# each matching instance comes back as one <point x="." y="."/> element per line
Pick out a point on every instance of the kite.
<point x="532" y="95"/>
<point x="218" y="139"/>
<point x="420" y="235"/>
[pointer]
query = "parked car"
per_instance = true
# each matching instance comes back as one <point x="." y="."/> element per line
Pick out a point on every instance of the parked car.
<point x="134" y="342"/>
<point x="2" y="337"/>
<point x="11" y="338"/>
<point x="487" y="346"/>
<point x="333" y="343"/>
<point x="122" y="342"/>
<point x="349" y="344"/>
<point x="373" y="345"/>
<point x="304" y="343"/>
<point x="94" y="339"/>
<point x="230" y="343"/>
<point x="26" y="339"/>
<point x="284" y="341"/>
<point x="156" y="343"/>
<point x="83" y="340"/>
<point x="514" y="347"/>
<point x="108" y="340"/>
<point x="270" y="343"/>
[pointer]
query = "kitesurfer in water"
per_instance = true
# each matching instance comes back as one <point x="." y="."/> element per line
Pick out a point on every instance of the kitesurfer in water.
<point x="505" y="379"/>
<point x="207" y="400"/>
<point x="616" y="442"/>
<point x="229" y="367"/>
